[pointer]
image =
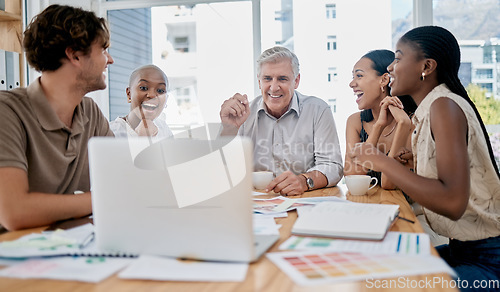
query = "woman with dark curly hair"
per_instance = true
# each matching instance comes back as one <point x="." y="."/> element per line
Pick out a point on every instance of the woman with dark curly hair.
<point x="456" y="181"/>
<point x="46" y="126"/>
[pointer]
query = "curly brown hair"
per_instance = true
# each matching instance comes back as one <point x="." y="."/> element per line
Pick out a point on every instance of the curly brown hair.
<point x="59" y="27"/>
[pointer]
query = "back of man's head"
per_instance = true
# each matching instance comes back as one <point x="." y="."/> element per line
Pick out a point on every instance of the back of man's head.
<point x="276" y="54"/>
<point x="59" y="27"/>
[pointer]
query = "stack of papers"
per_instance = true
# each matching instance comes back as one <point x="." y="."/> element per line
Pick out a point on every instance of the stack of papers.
<point x="278" y="205"/>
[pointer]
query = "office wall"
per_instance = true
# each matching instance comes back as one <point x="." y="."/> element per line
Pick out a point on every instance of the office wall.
<point x="130" y="48"/>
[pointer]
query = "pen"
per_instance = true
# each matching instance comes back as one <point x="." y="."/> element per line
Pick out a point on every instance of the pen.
<point x="407" y="220"/>
<point x="87" y="240"/>
<point x="399" y="243"/>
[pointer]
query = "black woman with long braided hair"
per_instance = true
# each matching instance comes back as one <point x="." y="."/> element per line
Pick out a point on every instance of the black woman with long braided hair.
<point x="456" y="179"/>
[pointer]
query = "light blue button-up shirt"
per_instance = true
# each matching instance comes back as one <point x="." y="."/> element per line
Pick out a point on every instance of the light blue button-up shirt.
<point x="303" y="139"/>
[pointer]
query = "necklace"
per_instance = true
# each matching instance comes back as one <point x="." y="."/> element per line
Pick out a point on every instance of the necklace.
<point x="392" y="130"/>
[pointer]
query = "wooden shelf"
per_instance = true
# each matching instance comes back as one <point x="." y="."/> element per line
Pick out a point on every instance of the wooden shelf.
<point x="7" y="16"/>
<point x="11" y="36"/>
<point x="11" y="32"/>
<point x="11" y="26"/>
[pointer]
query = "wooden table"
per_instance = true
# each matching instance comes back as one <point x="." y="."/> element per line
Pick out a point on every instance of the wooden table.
<point x="262" y="275"/>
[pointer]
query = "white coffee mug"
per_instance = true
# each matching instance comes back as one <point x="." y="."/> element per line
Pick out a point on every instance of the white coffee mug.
<point x="358" y="185"/>
<point x="261" y="179"/>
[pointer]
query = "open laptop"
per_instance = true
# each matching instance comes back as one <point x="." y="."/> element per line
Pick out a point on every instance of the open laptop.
<point x="177" y="197"/>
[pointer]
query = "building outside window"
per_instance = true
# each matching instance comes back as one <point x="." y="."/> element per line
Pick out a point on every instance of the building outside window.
<point x="479" y="42"/>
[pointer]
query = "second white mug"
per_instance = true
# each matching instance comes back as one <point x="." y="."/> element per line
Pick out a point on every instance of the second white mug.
<point x="358" y="185"/>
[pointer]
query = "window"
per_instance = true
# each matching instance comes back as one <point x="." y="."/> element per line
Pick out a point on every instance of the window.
<point x="181" y="44"/>
<point x="283" y="22"/>
<point x="332" y="74"/>
<point x="331" y="43"/>
<point x="487" y="86"/>
<point x="491" y="52"/>
<point x="332" y="102"/>
<point x="222" y="61"/>
<point x="401" y="18"/>
<point x="465" y="73"/>
<point x="479" y="44"/>
<point x="323" y="44"/>
<point x="206" y="51"/>
<point x="283" y="15"/>
<point x="209" y="50"/>
<point x="484" y="73"/>
<point x="331" y="11"/>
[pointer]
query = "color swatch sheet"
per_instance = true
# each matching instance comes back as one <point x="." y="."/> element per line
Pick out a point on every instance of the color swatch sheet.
<point x="313" y="268"/>
<point x="83" y="269"/>
<point x="275" y="205"/>
<point x="402" y="243"/>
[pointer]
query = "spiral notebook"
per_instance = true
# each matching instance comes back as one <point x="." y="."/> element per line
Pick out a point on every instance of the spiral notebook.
<point x="77" y="241"/>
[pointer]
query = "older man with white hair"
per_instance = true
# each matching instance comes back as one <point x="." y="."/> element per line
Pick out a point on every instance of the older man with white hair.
<point x="294" y="135"/>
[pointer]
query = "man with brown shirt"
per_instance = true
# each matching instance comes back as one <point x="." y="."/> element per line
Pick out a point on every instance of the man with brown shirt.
<point x="46" y="126"/>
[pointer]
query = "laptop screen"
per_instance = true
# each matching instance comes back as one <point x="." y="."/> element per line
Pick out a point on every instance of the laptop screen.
<point x="177" y="197"/>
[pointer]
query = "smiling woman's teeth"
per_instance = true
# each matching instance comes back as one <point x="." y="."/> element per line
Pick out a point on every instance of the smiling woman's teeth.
<point x="358" y="95"/>
<point x="148" y="106"/>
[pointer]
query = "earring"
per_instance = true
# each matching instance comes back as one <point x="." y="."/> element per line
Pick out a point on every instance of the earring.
<point x="382" y="88"/>
<point x="422" y="78"/>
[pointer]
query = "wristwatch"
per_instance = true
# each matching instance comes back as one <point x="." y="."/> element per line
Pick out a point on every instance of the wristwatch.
<point x="309" y="182"/>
